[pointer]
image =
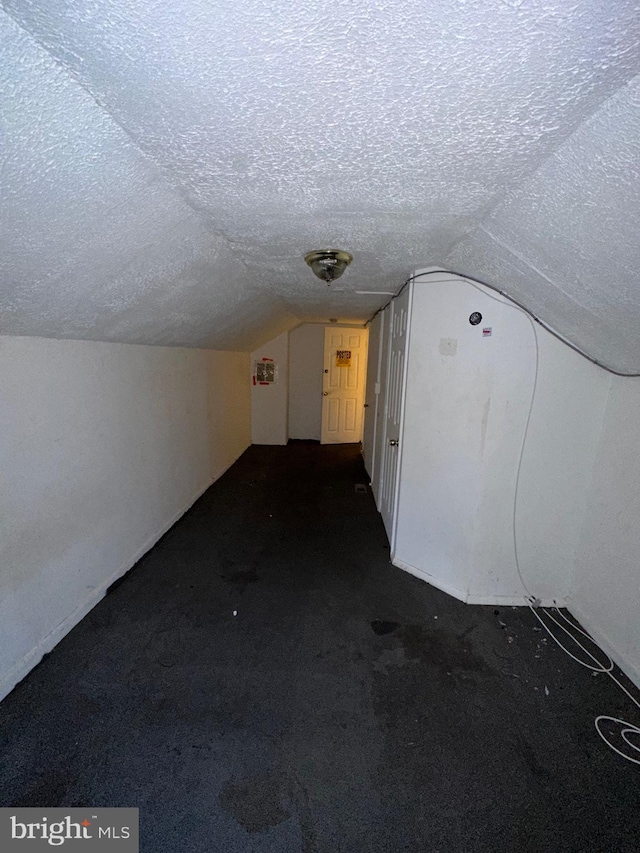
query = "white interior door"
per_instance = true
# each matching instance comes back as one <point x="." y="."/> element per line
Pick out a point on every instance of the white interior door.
<point x="345" y="369"/>
<point x="395" y="386"/>
<point x="381" y="407"/>
<point x="371" y="396"/>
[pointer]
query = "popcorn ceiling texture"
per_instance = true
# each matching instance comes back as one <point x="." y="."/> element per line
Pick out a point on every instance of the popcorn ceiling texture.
<point x="567" y="240"/>
<point x="167" y="165"/>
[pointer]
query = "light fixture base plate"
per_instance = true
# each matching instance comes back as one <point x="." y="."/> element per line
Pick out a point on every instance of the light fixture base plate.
<point x="328" y="264"/>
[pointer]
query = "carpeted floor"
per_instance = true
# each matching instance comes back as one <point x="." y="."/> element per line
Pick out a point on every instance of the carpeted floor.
<point x="347" y="706"/>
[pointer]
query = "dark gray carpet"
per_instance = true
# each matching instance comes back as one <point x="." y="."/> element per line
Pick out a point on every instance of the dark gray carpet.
<point x="347" y="707"/>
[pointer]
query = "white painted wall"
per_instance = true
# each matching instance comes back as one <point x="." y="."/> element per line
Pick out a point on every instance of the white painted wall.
<point x="578" y="506"/>
<point x="102" y="448"/>
<point x="468" y="399"/>
<point x="269" y="403"/>
<point x="306" y="352"/>
<point x="605" y="591"/>
<point x="229" y="409"/>
<point x="557" y="465"/>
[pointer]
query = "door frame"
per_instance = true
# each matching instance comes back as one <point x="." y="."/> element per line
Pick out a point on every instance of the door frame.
<point x="393" y="508"/>
<point x="326" y="367"/>
<point x="372" y="378"/>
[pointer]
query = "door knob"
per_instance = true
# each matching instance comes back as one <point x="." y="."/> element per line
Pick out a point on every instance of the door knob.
<point x="366" y="405"/>
<point x="325" y="393"/>
<point x="393" y="442"/>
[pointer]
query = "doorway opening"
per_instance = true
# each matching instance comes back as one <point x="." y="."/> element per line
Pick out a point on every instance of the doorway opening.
<point x="327" y="377"/>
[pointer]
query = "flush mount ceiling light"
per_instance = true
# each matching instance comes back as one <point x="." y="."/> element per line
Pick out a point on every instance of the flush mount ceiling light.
<point x="328" y="264"/>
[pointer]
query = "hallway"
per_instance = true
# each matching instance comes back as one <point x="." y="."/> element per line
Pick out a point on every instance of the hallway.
<point x="264" y="680"/>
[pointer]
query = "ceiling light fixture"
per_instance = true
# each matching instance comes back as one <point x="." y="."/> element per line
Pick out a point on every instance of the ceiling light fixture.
<point x="328" y="264"/>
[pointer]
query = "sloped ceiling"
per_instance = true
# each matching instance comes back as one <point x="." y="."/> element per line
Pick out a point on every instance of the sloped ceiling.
<point x="166" y="165"/>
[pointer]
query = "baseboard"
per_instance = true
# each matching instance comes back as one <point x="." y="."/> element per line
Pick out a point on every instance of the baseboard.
<point x="512" y="601"/>
<point x="226" y="467"/>
<point x="630" y="670"/>
<point x="33" y="657"/>
<point x="467" y="598"/>
<point x="424" y="576"/>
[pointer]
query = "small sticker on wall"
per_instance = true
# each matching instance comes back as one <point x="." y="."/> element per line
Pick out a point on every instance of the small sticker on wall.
<point x="486" y="332"/>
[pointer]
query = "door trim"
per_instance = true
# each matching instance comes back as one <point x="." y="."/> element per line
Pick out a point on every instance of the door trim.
<point x="403" y="397"/>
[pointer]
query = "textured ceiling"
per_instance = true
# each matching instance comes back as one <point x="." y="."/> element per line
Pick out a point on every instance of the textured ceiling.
<point x="165" y="166"/>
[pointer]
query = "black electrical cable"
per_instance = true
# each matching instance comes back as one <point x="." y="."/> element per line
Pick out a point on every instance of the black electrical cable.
<point x="515" y="302"/>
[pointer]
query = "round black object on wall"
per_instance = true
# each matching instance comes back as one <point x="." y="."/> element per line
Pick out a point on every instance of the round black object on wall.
<point x="475" y="318"/>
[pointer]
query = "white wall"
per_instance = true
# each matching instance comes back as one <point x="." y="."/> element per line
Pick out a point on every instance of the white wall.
<point x="605" y="592"/>
<point x="557" y="465"/>
<point x="578" y="502"/>
<point x="306" y="352"/>
<point x="229" y="409"/>
<point x="103" y="447"/>
<point x="269" y="403"/>
<point x="468" y="399"/>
